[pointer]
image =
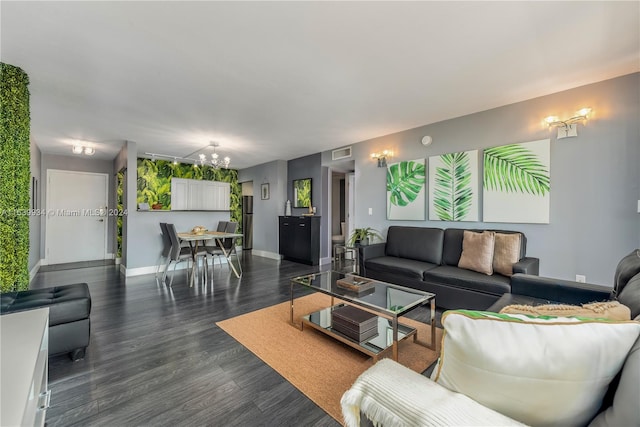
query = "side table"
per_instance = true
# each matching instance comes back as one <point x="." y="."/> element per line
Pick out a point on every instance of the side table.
<point x="345" y="255"/>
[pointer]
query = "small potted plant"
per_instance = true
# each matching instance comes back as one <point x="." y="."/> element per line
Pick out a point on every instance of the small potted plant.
<point x="362" y="236"/>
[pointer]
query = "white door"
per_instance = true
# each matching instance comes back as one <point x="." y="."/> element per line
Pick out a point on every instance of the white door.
<point x="76" y="225"/>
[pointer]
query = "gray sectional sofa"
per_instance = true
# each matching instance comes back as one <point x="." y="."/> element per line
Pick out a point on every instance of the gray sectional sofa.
<point x="427" y="259"/>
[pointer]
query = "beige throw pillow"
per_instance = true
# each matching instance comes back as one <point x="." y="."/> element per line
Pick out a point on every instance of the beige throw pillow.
<point x="506" y="252"/>
<point x="477" y="251"/>
<point x="611" y="310"/>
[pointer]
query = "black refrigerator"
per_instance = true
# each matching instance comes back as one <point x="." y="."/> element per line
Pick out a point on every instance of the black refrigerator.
<point x="247" y="222"/>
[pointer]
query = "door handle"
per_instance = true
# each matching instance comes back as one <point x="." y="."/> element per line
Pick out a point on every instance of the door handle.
<point x="101" y="220"/>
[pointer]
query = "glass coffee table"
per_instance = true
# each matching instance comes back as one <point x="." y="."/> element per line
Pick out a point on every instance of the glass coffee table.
<point x="386" y="301"/>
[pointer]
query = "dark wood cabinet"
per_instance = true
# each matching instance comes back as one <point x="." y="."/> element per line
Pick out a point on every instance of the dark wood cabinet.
<point x="300" y="239"/>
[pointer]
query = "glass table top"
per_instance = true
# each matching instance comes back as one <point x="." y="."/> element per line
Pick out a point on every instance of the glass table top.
<point x="393" y="300"/>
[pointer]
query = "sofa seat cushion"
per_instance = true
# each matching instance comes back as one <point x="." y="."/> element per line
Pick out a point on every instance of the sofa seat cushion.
<point x="516" y="299"/>
<point x="66" y="303"/>
<point x="461" y="278"/>
<point x="401" y="266"/>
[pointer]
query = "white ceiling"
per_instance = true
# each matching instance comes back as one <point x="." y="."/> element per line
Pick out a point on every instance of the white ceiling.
<point x="280" y="80"/>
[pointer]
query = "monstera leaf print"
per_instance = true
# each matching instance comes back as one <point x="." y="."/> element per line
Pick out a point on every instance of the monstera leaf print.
<point x="516" y="169"/>
<point x="405" y="180"/>
<point x="453" y="195"/>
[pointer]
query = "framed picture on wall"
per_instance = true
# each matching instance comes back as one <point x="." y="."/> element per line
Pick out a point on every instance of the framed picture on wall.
<point x="264" y="191"/>
<point x="302" y="193"/>
<point x="34" y="192"/>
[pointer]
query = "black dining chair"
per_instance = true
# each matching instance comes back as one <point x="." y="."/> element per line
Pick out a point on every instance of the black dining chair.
<point x="180" y="253"/>
<point x="166" y="251"/>
<point x="227" y="244"/>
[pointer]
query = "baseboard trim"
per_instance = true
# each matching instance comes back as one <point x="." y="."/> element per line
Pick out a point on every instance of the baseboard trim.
<point x="34" y="270"/>
<point x="266" y="254"/>
<point x="151" y="269"/>
<point x="327" y="260"/>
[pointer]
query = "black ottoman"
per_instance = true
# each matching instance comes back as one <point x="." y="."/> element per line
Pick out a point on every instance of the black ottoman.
<point x="69" y="309"/>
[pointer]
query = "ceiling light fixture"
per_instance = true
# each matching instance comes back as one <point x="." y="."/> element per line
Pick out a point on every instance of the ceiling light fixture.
<point x="568" y="128"/>
<point x="83" y="149"/>
<point x="216" y="162"/>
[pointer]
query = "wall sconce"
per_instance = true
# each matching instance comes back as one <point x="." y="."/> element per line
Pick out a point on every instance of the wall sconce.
<point x="382" y="158"/>
<point x="80" y="149"/>
<point x="569" y="127"/>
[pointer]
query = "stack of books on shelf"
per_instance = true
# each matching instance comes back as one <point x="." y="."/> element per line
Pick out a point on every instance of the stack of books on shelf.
<point x="355" y="323"/>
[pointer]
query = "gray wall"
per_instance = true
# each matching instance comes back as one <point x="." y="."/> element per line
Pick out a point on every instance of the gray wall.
<point x="305" y="167"/>
<point x="266" y="212"/>
<point x="142" y="239"/>
<point x="595" y="178"/>
<point x="77" y="164"/>
<point x="311" y="167"/>
<point x="35" y="228"/>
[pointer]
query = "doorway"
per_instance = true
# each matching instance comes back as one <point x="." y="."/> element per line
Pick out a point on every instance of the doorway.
<point x="77" y="216"/>
<point x="341" y="204"/>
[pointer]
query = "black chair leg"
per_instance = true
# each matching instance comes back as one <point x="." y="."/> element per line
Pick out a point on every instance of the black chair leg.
<point x="77" y="354"/>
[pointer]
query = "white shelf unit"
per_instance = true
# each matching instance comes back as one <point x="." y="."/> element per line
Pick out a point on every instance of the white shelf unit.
<point x="198" y="195"/>
<point x="24" y="362"/>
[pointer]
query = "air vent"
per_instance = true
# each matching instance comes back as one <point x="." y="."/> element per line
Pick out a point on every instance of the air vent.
<point x="341" y="153"/>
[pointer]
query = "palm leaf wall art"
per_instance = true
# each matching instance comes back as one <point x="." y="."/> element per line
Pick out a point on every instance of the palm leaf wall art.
<point x="453" y="185"/>
<point x="517" y="183"/>
<point x="405" y="190"/>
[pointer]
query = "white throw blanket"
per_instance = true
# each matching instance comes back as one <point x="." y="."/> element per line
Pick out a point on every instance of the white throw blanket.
<point x="390" y="394"/>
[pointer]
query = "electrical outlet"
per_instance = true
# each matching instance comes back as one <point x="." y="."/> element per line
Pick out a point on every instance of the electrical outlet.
<point x="581" y="278"/>
<point x="370" y="211"/>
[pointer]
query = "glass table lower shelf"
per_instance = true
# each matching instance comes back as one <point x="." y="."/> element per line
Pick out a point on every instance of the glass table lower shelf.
<point x="374" y="346"/>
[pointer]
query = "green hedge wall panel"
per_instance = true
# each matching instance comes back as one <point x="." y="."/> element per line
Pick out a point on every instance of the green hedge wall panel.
<point x="15" y="174"/>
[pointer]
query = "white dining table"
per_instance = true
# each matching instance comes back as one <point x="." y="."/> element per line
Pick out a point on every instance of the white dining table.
<point x="193" y="239"/>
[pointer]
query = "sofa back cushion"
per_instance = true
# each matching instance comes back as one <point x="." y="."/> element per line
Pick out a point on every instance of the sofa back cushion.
<point x="624" y="410"/>
<point x="627" y="268"/>
<point x="630" y="296"/>
<point x="452" y="248"/>
<point x="418" y="243"/>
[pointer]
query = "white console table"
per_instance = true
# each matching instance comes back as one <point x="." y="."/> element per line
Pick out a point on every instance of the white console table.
<point x="24" y="396"/>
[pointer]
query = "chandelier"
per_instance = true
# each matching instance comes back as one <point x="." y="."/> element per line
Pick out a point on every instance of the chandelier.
<point x="216" y="162"/>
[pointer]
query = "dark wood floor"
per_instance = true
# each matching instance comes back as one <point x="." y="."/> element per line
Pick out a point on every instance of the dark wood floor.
<point x="157" y="358"/>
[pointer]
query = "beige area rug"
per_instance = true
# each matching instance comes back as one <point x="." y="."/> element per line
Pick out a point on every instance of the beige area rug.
<point x="319" y="366"/>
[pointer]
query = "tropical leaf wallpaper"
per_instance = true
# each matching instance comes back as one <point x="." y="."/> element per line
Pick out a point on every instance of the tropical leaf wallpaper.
<point x="120" y="208"/>
<point x="405" y="190"/>
<point x="453" y="187"/>
<point x="154" y="183"/>
<point x="517" y="182"/>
